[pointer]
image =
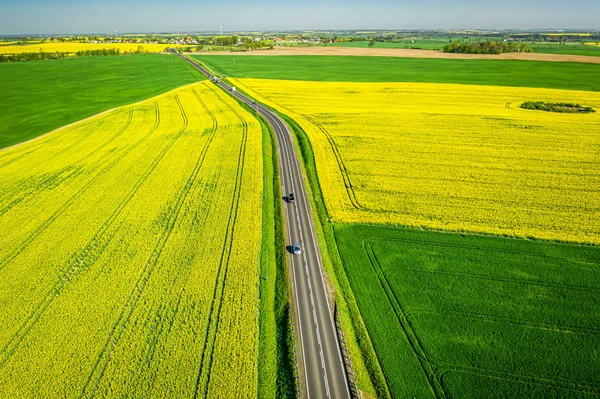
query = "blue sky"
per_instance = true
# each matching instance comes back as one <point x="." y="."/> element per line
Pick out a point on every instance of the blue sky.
<point x="69" y="16"/>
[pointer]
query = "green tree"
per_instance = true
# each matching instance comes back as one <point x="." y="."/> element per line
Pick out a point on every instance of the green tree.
<point x="372" y="43"/>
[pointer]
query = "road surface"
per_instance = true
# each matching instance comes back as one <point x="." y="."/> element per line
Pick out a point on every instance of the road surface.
<point x="323" y="369"/>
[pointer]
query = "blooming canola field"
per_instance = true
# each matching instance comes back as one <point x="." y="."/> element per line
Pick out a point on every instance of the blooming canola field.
<point x="447" y="156"/>
<point x="129" y="254"/>
<point x="75" y="47"/>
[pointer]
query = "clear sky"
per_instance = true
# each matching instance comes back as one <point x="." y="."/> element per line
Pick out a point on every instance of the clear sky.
<point x="102" y="16"/>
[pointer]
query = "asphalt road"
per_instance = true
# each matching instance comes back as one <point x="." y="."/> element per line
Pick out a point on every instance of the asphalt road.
<point x="321" y="363"/>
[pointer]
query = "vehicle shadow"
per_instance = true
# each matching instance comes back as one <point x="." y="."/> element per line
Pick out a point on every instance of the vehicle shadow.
<point x="290" y="249"/>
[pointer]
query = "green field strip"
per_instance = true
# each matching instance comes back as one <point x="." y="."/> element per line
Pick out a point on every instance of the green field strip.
<point x="416" y="296"/>
<point x="103" y="358"/>
<point x="555" y="75"/>
<point x="39" y="97"/>
<point x="341" y="165"/>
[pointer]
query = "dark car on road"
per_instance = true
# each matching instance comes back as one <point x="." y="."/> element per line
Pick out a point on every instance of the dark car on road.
<point x="291" y="198"/>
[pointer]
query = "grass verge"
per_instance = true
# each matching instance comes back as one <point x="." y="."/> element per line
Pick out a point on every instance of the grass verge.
<point x="276" y="364"/>
<point x="370" y="378"/>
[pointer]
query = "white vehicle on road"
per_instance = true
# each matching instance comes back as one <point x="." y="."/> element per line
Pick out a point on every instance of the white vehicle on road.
<point x="297" y="249"/>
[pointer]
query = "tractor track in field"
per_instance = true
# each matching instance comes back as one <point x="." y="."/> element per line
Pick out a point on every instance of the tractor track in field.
<point x="93" y="248"/>
<point x="206" y="195"/>
<point x="490" y="318"/>
<point x="103" y="356"/>
<point x="439" y="367"/>
<point x="539" y="283"/>
<point x="180" y="280"/>
<point x="429" y="369"/>
<point x="212" y="325"/>
<point x="43" y="144"/>
<point x="478" y="248"/>
<point x="341" y="165"/>
<point x="582" y="389"/>
<point x="42" y="185"/>
<point x="29" y="239"/>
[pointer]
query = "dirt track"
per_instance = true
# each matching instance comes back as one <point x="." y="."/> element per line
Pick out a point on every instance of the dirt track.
<point x="410" y="53"/>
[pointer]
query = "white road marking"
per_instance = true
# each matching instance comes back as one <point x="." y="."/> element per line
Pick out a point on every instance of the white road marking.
<point x="312" y="234"/>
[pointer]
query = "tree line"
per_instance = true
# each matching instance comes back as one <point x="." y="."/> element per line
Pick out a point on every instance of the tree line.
<point x="41" y="55"/>
<point x="32" y="56"/>
<point x="487" y="47"/>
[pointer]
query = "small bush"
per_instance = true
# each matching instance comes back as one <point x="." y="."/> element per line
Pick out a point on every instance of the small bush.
<point x="557" y="107"/>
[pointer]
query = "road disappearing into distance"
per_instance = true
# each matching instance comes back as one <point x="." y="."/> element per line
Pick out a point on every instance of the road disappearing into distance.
<point x="323" y="369"/>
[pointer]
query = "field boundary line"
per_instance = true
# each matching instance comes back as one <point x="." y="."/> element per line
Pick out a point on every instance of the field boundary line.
<point x="37" y="231"/>
<point x="76" y="261"/>
<point x="89" y="118"/>
<point x="146" y="273"/>
<point x="341" y="164"/>
<point x="506" y="320"/>
<point x="411" y="337"/>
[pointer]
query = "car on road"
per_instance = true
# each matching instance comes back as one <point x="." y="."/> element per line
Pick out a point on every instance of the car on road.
<point x="291" y="198"/>
<point x="297" y="249"/>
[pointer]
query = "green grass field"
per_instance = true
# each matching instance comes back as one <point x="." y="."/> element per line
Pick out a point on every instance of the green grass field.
<point x="438" y="44"/>
<point x="40" y="96"/>
<point x="574" y="49"/>
<point x="557" y="75"/>
<point x="474" y="316"/>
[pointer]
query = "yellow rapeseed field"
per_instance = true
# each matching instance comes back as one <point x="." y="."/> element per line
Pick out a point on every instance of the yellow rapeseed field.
<point x="129" y="253"/>
<point x="596" y="44"/>
<point x="444" y="156"/>
<point x="75" y="47"/>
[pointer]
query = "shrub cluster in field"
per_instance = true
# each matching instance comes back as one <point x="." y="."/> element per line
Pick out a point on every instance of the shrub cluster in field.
<point x="129" y="263"/>
<point x="487" y="47"/>
<point x="557" y="107"/>
<point x="443" y="156"/>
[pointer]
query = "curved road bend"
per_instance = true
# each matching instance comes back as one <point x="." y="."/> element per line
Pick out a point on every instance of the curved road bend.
<point x="324" y="371"/>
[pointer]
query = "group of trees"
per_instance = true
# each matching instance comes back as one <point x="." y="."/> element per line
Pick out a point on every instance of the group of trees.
<point x="246" y="43"/>
<point x="32" y="56"/>
<point x="41" y="55"/>
<point x="487" y="47"/>
<point x="104" y="51"/>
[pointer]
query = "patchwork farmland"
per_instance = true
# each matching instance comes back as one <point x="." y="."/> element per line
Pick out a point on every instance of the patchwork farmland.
<point x="442" y="239"/>
<point x="131" y="263"/>
<point x="461" y="228"/>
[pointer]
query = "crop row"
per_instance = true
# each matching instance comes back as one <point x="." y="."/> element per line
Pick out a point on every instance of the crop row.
<point x="112" y="257"/>
<point x="457" y="157"/>
<point x="460" y="315"/>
